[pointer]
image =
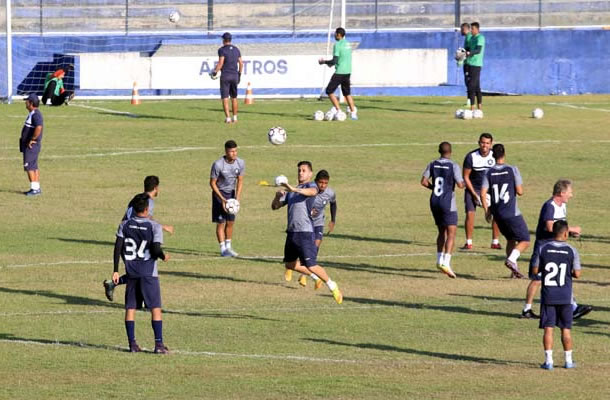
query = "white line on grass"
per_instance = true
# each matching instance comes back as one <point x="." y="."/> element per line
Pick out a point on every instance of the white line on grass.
<point x="568" y="105"/>
<point x="108" y="110"/>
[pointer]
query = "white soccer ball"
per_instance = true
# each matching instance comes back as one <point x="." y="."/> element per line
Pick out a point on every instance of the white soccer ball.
<point x="174" y="16"/>
<point x="459" y="114"/>
<point x="277" y="135"/>
<point x="318" y="115"/>
<point x="280" y="179"/>
<point x="340" y="116"/>
<point x="232" y="206"/>
<point x="477" y="114"/>
<point x="329" y="116"/>
<point x="467" y="114"/>
<point x="537" y="113"/>
<point x="460" y="54"/>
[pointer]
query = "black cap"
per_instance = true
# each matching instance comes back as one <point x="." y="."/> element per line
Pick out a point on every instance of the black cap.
<point x="32" y="98"/>
<point x="227" y="36"/>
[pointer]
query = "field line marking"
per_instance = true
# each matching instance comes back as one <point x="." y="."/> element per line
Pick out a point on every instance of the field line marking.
<point x="568" y="105"/>
<point x="108" y="110"/>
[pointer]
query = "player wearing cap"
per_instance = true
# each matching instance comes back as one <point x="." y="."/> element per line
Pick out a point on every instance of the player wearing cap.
<point x="30" y="143"/>
<point x="231" y="66"/>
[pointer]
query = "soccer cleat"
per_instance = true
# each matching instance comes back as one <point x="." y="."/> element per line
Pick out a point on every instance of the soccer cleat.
<point x="466" y="246"/>
<point x="160" y="348"/>
<point x="338" y="295"/>
<point x="318" y="284"/>
<point x="496" y="246"/>
<point x="303" y="280"/>
<point x="546" y="366"/>
<point x="228" y="120"/>
<point x="354" y="117"/>
<point x="109" y="288"/>
<point x="570" y="365"/>
<point x="225" y="253"/>
<point x="581" y="311"/>
<point x="134" y="348"/>
<point x="231" y="253"/>
<point x="445" y="269"/>
<point x="33" y="192"/>
<point x="288" y="275"/>
<point x="514" y="269"/>
<point x="529" y="314"/>
<point x="69" y="99"/>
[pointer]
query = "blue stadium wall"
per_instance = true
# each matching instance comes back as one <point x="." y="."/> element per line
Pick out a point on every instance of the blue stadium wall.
<point x="548" y="61"/>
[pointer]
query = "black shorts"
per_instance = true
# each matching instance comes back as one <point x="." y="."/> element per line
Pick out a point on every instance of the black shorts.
<point x="30" y="158"/>
<point x="443" y="217"/>
<point x="143" y="289"/>
<point x="228" y="88"/>
<point x="470" y="201"/>
<point x="514" y="228"/>
<point x="559" y="315"/>
<point x="339" y="79"/>
<point x="301" y="246"/>
<point x="219" y="215"/>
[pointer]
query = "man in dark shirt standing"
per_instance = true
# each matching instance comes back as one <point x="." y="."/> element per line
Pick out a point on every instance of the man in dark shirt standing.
<point x="231" y="66"/>
<point x="31" y="143"/>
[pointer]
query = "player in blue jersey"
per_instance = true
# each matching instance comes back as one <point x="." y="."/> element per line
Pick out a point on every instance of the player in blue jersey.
<point x="476" y="163"/>
<point x="554" y="209"/>
<point x="151" y="190"/>
<point x="503" y="182"/>
<point x="326" y="196"/>
<point x="226" y="181"/>
<point x="231" y="66"/>
<point x="441" y="176"/>
<point x="138" y="243"/>
<point x="300" y="251"/>
<point x="30" y="143"/>
<point x="558" y="263"/>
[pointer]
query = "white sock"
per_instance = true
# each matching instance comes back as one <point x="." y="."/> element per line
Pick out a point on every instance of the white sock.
<point x="548" y="356"/>
<point x="228" y="244"/>
<point x="314" y="277"/>
<point x="439" y="257"/>
<point x="527" y="307"/>
<point x="228" y="119"/>
<point x="223" y="247"/>
<point x="235" y="118"/>
<point x="514" y="255"/>
<point x="574" y="305"/>
<point x="495" y="241"/>
<point x="35" y="185"/>
<point x="331" y="284"/>
<point x="468" y="241"/>
<point x="447" y="260"/>
<point x="569" y="357"/>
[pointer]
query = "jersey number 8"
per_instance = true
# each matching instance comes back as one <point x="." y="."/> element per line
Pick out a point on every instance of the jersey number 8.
<point x="438" y="186"/>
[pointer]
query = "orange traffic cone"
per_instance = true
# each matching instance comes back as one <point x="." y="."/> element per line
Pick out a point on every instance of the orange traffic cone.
<point x="135" y="97"/>
<point x="249" y="95"/>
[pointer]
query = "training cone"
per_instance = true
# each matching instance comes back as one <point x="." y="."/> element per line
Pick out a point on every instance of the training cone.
<point x="135" y="97"/>
<point x="249" y="95"/>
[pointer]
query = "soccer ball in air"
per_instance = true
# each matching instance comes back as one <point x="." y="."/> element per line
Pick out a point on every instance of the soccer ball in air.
<point x="340" y="116"/>
<point x="174" y="16"/>
<point x="459" y="114"/>
<point x="277" y="135"/>
<point x="537" y="113"/>
<point x="318" y="115"/>
<point x="232" y="206"/>
<point x="280" y="179"/>
<point x="477" y="114"/>
<point x="467" y="114"/>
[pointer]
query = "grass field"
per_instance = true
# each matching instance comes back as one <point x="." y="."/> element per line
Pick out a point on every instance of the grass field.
<point x="236" y="329"/>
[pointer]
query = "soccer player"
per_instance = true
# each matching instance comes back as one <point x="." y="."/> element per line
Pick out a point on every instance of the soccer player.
<point x="476" y="163"/>
<point x="465" y="31"/>
<point x="231" y="65"/>
<point x="54" y="88"/>
<point x="151" y="190"/>
<point x="441" y="176"/>
<point x="138" y="242"/>
<point x="474" y="60"/>
<point x="226" y="181"/>
<point x="559" y="263"/>
<point x="326" y="195"/>
<point x="504" y="184"/>
<point x="552" y="210"/>
<point x="30" y="143"/>
<point x="300" y="251"/>
<point x="342" y="60"/>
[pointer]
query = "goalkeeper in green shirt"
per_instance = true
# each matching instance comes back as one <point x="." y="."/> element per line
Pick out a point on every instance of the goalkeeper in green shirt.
<point x="54" y="88"/>
<point x="342" y="61"/>
<point x="474" y="60"/>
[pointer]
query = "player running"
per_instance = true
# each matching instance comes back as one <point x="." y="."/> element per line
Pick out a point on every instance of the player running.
<point x="326" y="195"/>
<point x="476" y="163"/>
<point x="300" y="251"/>
<point x="441" y="176"/>
<point x="138" y="242"/>
<point x="342" y="60"/>
<point x="151" y="190"/>
<point x="559" y="263"/>
<point x="231" y="65"/>
<point x="554" y="209"/>
<point x="504" y="183"/>
<point x="226" y="181"/>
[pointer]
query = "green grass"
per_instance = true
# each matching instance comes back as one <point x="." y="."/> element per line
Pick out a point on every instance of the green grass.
<point x="236" y="328"/>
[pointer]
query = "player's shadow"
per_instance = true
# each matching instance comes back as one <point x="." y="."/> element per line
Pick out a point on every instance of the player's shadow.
<point x="594" y="238"/>
<point x="597" y="333"/>
<point x="276" y="114"/>
<point x="489" y="298"/>
<point x="602" y="284"/>
<point x="12" y="191"/>
<point x="371" y="239"/>
<point x="171" y="250"/>
<point x="143" y="116"/>
<point x="68" y="299"/>
<point x="184" y="274"/>
<point x="595" y="266"/>
<point x="402" y="110"/>
<point x="218" y="315"/>
<point x="8" y="337"/>
<point x="427" y="353"/>
<point x="588" y="322"/>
